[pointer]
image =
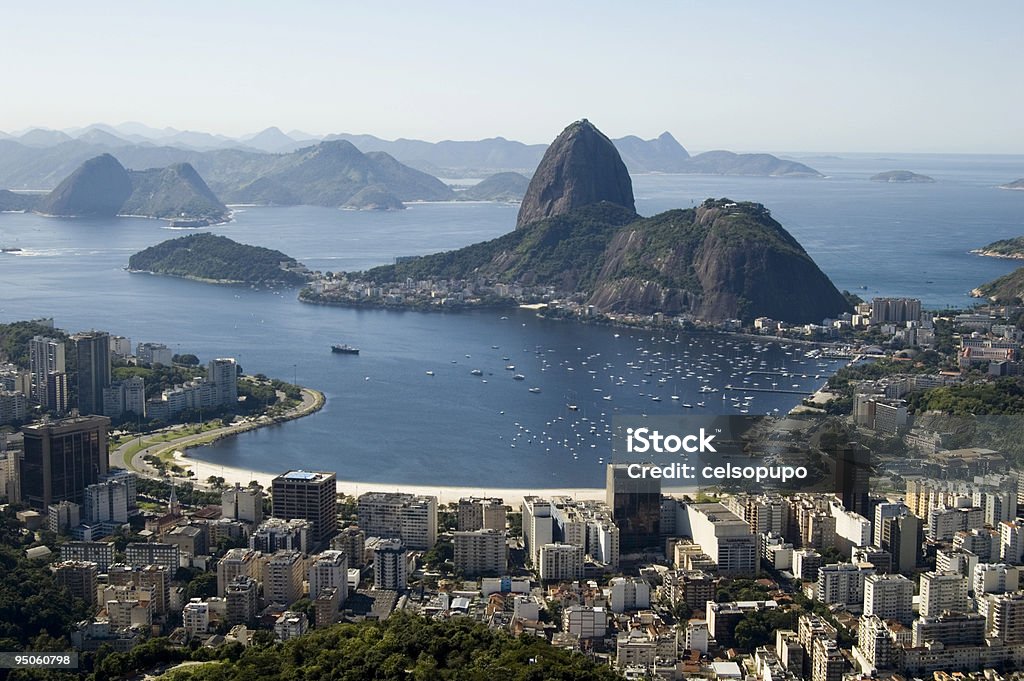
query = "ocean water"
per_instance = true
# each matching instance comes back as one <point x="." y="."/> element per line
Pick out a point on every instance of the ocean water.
<point x="388" y="422"/>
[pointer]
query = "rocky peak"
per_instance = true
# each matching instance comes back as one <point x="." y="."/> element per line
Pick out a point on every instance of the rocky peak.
<point x="580" y="168"/>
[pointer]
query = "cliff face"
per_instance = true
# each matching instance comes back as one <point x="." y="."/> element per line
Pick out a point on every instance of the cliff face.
<point x="98" y="188"/>
<point x="723" y="260"/>
<point x="580" y="168"/>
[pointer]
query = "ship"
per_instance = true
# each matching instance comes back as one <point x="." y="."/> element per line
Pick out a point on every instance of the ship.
<point x="345" y="349"/>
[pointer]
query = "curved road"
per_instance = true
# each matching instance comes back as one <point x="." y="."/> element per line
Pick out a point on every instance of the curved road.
<point x="312" y="401"/>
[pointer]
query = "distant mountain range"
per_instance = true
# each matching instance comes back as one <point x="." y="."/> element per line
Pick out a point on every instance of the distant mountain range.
<point x="39" y="159"/>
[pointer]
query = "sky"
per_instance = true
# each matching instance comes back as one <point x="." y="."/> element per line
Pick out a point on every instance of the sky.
<point x="817" y="76"/>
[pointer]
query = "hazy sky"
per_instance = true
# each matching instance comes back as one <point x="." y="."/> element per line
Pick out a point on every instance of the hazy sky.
<point x="777" y="76"/>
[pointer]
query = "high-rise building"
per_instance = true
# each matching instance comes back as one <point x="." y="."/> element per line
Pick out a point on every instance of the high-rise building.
<point x="902" y="537"/>
<point x="153" y="353"/>
<point x="852" y="477"/>
<point x="282" y="578"/>
<point x="560" y="562"/>
<point x="45" y="355"/>
<point x="237" y="563"/>
<point x="1008" y="617"/>
<point x="78" y="577"/>
<point x="123" y="397"/>
<point x="275" y="534"/>
<point x="58" y="395"/>
<point x="481" y="552"/>
<point x="223" y="374"/>
<point x="408" y="517"/>
<point x="941" y="592"/>
<point x="635" y="504"/>
<point x="725" y="537"/>
<point x="889" y="597"/>
<point x="629" y="594"/>
<point x="99" y="552"/>
<point x="110" y="500"/>
<point x="62" y="458"/>
<point x="242" y="503"/>
<point x="895" y="310"/>
<point x="477" y="513"/>
<point x="93" y="352"/>
<point x="842" y="583"/>
<point x="351" y="541"/>
<point x="242" y="600"/>
<point x="139" y="554"/>
<point x="310" y="496"/>
<point x="538" y="527"/>
<point x="390" y="565"/>
<point x="329" y="571"/>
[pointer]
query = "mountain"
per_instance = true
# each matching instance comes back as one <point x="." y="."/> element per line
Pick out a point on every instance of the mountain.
<point x="454" y="158"/>
<point x="905" y="176"/>
<point x="13" y="201"/>
<point x="729" y="163"/>
<point x="1008" y="288"/>
<point x="273" y="141"/>
<point x="1016" y="184"/>
<point x="499" y="187"/>
<point x="97" y="188"/>
<point x="331" y="173"/>
<point x="374" y="197"/>
<point x="722" y="260"/>
<point x="661" y="155"/>
<point x="580" y="168"/>
<point x="219" y="259"/>
<point x="43" y="138"/>
<point x="101" y="187"/>
<point x="172" y="192"/>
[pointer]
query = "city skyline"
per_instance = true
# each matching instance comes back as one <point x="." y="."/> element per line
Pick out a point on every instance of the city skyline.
<point x="792" y="78"/>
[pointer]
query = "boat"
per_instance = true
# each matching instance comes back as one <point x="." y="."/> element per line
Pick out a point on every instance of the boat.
<point x="476" y="372"/>
<point x="430" y="373"/>
<point x="10" y="250"/>
<point x="534" y="390"/>
<point x="510" y="367"/>
<point x="345" y="349"/>
<point x="519" y="377"/>
<point x="572" y="407"/>
<point x="687" y="405"/>
<point x="190" y="223"/>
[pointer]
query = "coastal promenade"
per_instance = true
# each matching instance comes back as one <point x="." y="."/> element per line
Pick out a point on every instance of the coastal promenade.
<point x="132" y="454"/>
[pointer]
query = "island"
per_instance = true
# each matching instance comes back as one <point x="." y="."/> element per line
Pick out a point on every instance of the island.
<point x="1016" y="184"/>
<point x="579" y="242"/>
<point x="374" y="197"/>
<point x="508" y="187"/>
<point x="1012" y="248"/>
<point x="219" y="260"/>
<point x="901" y="176"/>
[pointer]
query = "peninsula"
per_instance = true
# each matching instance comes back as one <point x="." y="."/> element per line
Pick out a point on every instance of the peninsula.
<point x="579" y="242"/>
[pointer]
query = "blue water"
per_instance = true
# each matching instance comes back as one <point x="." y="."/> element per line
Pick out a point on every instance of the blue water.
<point x="387" y="421"/>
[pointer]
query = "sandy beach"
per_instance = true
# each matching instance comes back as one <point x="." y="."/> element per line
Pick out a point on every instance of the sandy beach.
<point x="444" y="494"/>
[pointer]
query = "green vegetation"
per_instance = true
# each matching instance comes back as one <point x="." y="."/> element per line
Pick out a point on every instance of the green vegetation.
<point x="1006" y="248"/>
<point x="499" y="187"/>
<point x="547" y="252"/>
<point x="758" y="628"/>
<point x="1004" y="396"/>
<point x="14" y="338"/>
<point x="901" y="176"/>
<point x="158" y="377"/>
<point x="1007" y="289"/>
<point x="217" y="258"/>
<point x="405" y="647"/>
<point x="172" y="192"/>
<point x="35" y="614"/>
<point x="741" y="590"/>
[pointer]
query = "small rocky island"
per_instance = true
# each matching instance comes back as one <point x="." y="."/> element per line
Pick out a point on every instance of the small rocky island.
<point x="902" y="176"/>
<point x="219" y="260"/>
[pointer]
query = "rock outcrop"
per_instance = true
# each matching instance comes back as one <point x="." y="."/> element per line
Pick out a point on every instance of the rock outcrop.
<point x="580" y="168"/>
